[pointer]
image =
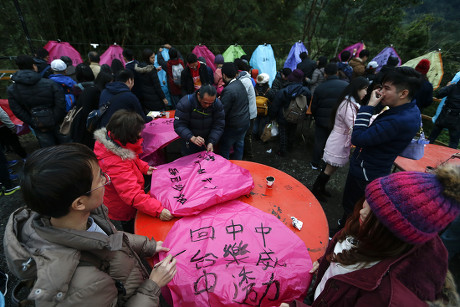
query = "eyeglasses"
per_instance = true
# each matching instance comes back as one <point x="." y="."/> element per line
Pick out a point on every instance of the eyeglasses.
<point x="106" y="179"/>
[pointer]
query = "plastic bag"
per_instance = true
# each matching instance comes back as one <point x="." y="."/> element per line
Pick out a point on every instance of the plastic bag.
<point x="293" y="58"/>
<point x="236" y="255"/>
<point x="274" y="128"/>
<point x="263" y="59"/>
<point x="233" y="52"/>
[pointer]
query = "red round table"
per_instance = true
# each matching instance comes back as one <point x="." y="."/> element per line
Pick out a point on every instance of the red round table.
<point x="433" y="156"/>
<point x="288" y="197"/>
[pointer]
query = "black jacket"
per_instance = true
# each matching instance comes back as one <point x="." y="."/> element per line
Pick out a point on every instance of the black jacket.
<point x="307" y="66"/>
<point x="186" y="80"/>
<point x="284" y="97"/>
<point x="325" y="99"/>
<point x="152" y="94"/>
<point x="120" y="98"/>
<point x="236" y="105"/>
<point x="30" y="90"/>
<point x="192" y="120"/>
<point x="453" y="96"/>
<point x="137" y="88"/>
<point x="424" y="96"/>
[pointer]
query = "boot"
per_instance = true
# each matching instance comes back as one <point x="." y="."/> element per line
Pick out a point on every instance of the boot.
<point x="318" y="186"/>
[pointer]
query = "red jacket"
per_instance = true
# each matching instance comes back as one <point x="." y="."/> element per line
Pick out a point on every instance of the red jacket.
<point x="126" y="193"/>
<point x="408" y="280"/>
<point x="174" y="89"/>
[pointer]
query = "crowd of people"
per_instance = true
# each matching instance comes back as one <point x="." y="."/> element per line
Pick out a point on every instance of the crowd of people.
<point x="387" y="235"/>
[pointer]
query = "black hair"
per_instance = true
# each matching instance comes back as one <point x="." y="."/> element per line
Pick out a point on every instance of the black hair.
<point x="124" y="75"/>
<point x="286" y="71"/>
<point x="102" y="79"/>
<point x="55" y="176"/>
<point x="83" y="73"/>
<point x="331" y="69"/>
<point x="41" y="53"/>
<point x="245" y="57"/>
<point x="146" y="53"/>
<point x="116" y="66"/>
<point x="128" y="54"/>
<point x="364" y="53"/>
<point x="207" y="89"/>
<point x="67" y="60"/>
<point x="125" y="126"/>
<point x="25" y="62"/>
<point x="106" y="68"/>
<point x="229" y="69"/>
<point x="303" y="55"/>
<point x="93" y="56"/>
<point x="241" y="65"/>
<point x="191" y="58"/>
<point x="404" y="78"/>
<point x="322" y="61"/>
<point x="172" y="53"/>
<point x="352" y="90"/>
<point x="345" y="56"/>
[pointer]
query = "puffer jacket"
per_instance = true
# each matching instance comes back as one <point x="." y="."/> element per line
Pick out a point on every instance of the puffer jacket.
<point x="358" y="67"/>
<point x="186" y="79"/>
<point x="79" y="268"/>
<point x="452" y="92"/>
<point x="152" y="94"/>
<point x="246" y="79"/>
<point x="192" y="120"/>
<point x="30" y="90"/>
<point x="125" y="195"/>
<point x="326" y="96"/>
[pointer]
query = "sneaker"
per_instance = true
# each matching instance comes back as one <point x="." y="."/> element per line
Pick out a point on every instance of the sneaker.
<point x="314" y="165"/>
<point x="12" y="190"/>
<point x="13" y="177"/>
<point x="12" y="163"/>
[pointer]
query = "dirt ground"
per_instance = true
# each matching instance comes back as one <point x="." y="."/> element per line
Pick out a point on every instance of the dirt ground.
<point x="296" y="164"/>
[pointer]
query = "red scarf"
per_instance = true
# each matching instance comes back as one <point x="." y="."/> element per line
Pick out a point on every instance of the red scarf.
<point x="136" y="147"/>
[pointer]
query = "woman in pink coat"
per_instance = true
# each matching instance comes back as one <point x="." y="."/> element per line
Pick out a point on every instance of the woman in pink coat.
<point x="337" y="149"/>
<point x="117" y="149"/>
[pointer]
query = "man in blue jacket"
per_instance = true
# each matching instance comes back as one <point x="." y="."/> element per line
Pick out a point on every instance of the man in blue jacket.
<point x="199" y="120"/>
<point x="378" y="144"/>
<point x="120" y="96"/>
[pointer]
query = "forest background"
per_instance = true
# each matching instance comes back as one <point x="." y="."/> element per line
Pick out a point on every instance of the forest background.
<point x="413" y="27"/>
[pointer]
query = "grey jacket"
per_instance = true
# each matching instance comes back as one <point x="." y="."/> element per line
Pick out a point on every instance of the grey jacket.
<point x="245" y="78"/>
<point x="79" y="268"/>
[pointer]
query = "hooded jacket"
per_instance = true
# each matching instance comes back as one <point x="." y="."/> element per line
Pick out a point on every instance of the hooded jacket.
<point x="236" y="106"/>
<point x="152" y="94"/>
<point x="358" y="67"/>
<point x="30" y="90"/>
<point x="246" y="79"/>
<point x="192" y="120"/>
<point x="125" y="195"/>
<point x="407" y="280"/>
<point x="79" y="268"/>
<point x="120" y="97"/>
<point x="283" y="99"/>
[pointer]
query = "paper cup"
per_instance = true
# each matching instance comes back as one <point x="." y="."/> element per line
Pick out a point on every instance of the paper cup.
<point x="167" y="114"/>
<point x="270" y="181"/>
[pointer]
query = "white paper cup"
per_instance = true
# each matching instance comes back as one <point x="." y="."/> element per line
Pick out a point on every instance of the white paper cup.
<point x="270" y="181"/>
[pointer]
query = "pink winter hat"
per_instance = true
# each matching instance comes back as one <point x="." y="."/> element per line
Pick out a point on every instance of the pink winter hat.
<point x="416" y="206"/>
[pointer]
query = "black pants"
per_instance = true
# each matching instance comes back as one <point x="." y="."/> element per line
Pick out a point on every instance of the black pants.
<point x="4" y="174"/>
<point x="352" y="193"/>
<point x="11" y="139"/>
<point x="287" y="134"/>
<point x="321" y="135"/>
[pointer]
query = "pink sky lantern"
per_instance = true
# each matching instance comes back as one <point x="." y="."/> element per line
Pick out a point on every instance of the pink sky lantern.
<point x="113" y="52"/>
<point x="57" y="49"/>
<point x="202" y="50"/>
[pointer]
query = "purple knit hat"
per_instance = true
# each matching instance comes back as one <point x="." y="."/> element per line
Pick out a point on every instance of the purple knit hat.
<point x="296" y="75"/>
<point x="416" y="206"/>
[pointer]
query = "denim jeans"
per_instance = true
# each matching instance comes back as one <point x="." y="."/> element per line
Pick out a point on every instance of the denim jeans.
<point x="233" y="137"/>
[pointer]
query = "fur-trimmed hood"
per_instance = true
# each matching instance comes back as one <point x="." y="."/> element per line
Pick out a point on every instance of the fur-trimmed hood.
<point x="124" y="153"/>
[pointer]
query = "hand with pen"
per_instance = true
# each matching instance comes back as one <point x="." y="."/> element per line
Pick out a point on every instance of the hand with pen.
<point x="165" y="270"/>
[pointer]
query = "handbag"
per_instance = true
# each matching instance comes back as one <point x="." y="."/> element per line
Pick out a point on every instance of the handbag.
<point x="42" y="117"/>
<point x="416" y="148"/>
<point x="68" y="120"/>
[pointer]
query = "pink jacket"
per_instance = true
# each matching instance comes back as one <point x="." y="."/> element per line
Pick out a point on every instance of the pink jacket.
<point x="126" y="193"/>
<point x="218" y="81"/>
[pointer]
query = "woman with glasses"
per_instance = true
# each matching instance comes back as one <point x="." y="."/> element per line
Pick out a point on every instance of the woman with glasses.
<point x="64" y="241"/>
<point x="117" y="149"/>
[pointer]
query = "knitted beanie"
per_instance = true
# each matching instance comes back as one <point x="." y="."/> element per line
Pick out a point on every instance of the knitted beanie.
<point x="423" y="66"/>
<point x="219" y="59"/>
<point x="415" y="206"/>
<point x="296" y="76"/>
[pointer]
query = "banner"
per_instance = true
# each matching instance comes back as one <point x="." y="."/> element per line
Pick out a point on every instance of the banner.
<point x="113" y="52"/>
<point x="263" y="59"/>
<point x="195" y="182"/>
<point x="233" y="52"/>
<point x="236" y="255"/>
<point x="202" y="50"/>
<point x="383" y="56"/>
<point x="58" y="49"/>
<point x="436" y="71"/>
<point x="293" y="58"/>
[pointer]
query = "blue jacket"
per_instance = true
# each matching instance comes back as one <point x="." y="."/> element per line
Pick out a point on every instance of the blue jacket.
<point x="192" y="120"/>
<point x="120" y="97"/>
<point x="378" y="145"/>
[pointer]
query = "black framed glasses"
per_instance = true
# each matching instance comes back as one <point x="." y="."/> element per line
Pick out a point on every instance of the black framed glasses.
<point x="107" y="181"/>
